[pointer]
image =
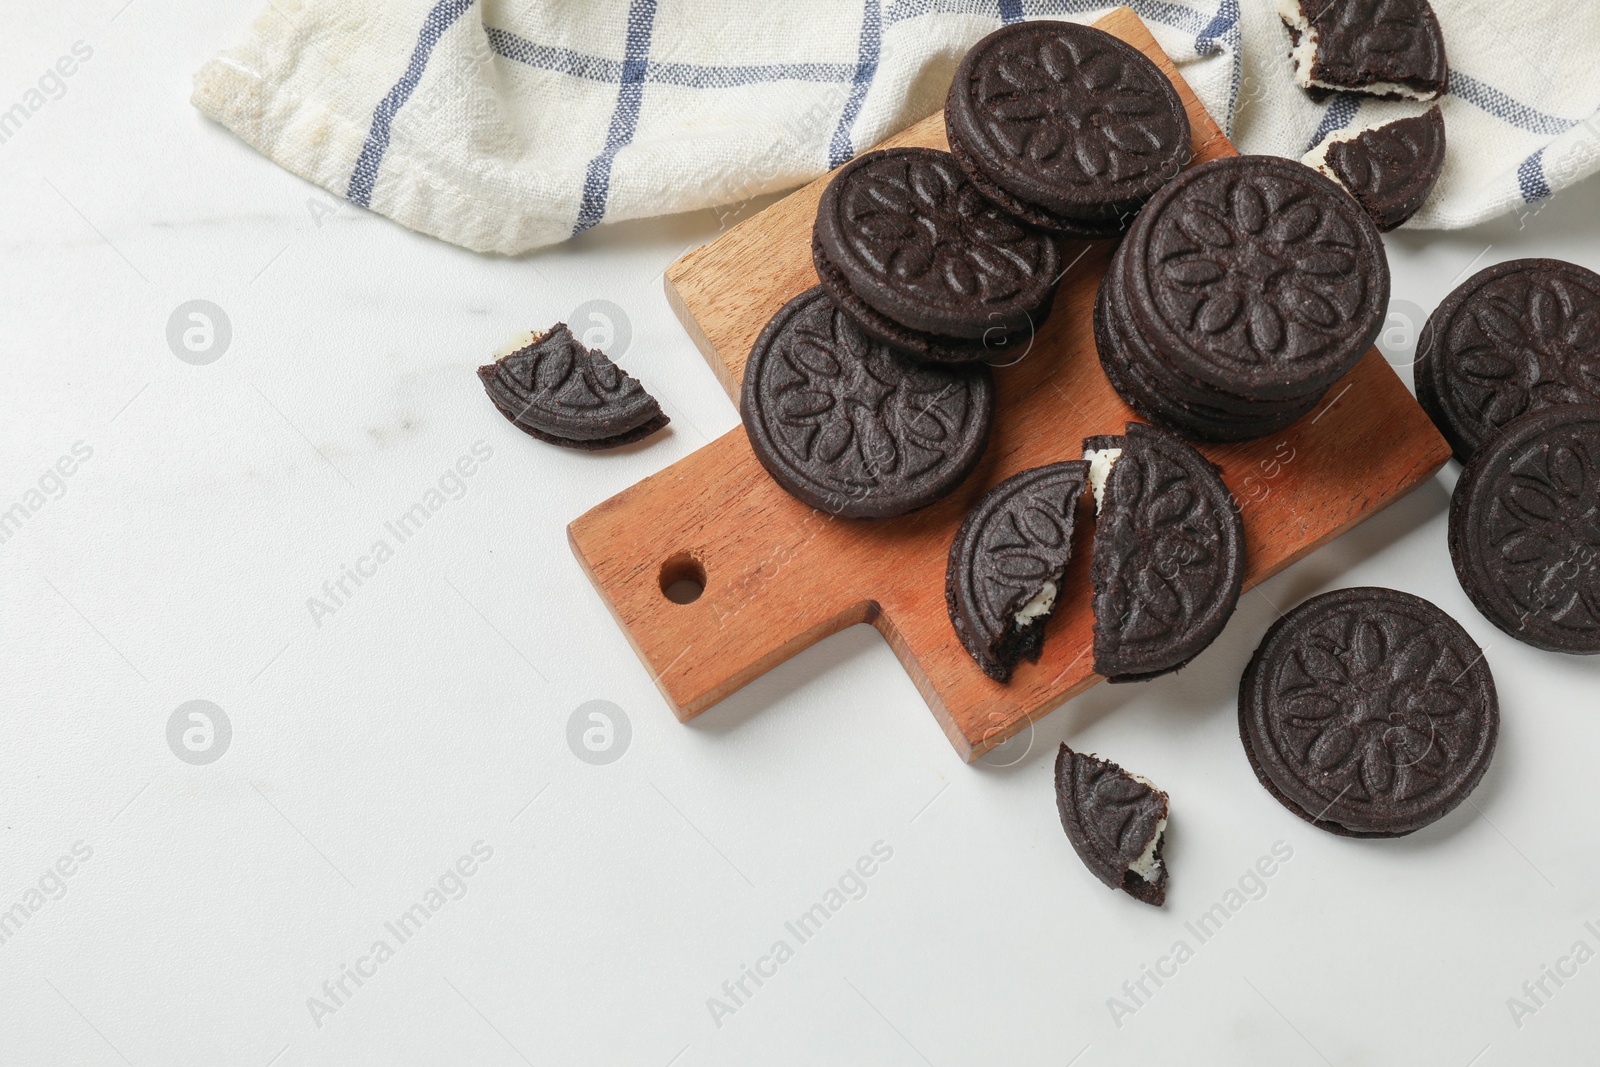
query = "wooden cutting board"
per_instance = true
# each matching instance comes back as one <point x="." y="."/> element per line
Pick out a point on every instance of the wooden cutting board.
<point x="778" y="576"/>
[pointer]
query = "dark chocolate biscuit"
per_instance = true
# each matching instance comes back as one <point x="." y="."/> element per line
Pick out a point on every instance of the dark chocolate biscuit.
<point x="849" y="426"/>
<point x="1256" y="276"/>
<point x="1169" y="553"/>
<point x="903" y="234"/>
<point x="1387" y="48"/>
<point x="1524" y="529"/>
<point x="1007" y="561"/>
<point x="553" y="388"/>
<point x="1201" y="410"/>
<point x="1368" y="712"/>
<point x="1115" y="821"/>
<point x="1070" y="124"/>
<point x="1513" y="338"/>
<point x="1389" y="169"/>
<point x="1158" y="394"/>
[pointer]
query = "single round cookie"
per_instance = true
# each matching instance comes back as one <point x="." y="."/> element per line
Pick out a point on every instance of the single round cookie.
<point x="1072" y="126"/>
<point x="554" y="389"/>
<point x="1524" y="529"/>
<point x="1513" y="338"/>
<point x="1368" y="712"/>
<point x="849" y="426"/>
<point x="1256" y="276"/>
<point x="1386" y="48"/>
<point x="1006" y="564"/>
<point x="1115" y="821"/>
<point x="904" y="235"/>
<point x="1390" y="168"/>
<point x="1169" y="553"/>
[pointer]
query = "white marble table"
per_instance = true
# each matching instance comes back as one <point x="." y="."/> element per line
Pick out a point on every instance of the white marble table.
<point x="416" y="726"/>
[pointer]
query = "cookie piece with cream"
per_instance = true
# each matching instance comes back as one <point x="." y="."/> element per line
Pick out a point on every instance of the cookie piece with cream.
<point x="1386" y="48"/>
<point x="1007" y="564"/>
<point x="552" y="387"/>
<point x="1390" y="167"/>
<point x="1169" y="552"/>
<point x="1116" y="821"/>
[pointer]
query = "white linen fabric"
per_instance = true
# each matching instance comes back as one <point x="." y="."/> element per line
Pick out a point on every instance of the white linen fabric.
<point x="506" y="125"/>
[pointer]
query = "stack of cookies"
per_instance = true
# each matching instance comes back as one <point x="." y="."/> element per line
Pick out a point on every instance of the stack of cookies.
<point x="870" y="395"/>
<point x="1245" y="288"/>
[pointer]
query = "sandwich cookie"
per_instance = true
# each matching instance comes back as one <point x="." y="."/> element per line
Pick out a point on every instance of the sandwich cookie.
<point x="1169" y="553"/>
<point x="1115" y="821"/>
<point x="1524" y="530"/>
<point x="1006" y="564"/>
<point x="1390" y="168"/>
<point x="553" y="388"/>
<point x="1513" y="338"/>
<point x="850" y="427"/>
<point x="1368" y="712"/>
<point x="923" y="262"/>
<point x="1065" y="126"/>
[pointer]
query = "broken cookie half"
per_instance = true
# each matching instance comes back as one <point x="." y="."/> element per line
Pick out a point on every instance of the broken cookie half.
<point x="1169" y="552"/>
<point x="1007" y="562"/>
<point x="1389" y="167"/>
<point x="1115" y="821"/>
<point x="1385" y="48"/>
<point x="553" y="388"/>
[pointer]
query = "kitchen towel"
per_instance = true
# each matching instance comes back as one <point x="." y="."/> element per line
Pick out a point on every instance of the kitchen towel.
<point x="506" y="125"/>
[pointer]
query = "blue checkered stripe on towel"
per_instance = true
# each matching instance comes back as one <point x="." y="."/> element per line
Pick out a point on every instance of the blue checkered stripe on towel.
<point x="1212" y="26"/>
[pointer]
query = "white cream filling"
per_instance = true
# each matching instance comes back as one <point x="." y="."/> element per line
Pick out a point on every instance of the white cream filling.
<point x="1377" y="89"/>
<point x="1100" y="461"/>
<point x="520" y="341"/>
<point x="1147" y="866"/>
<point x="1304" y="54"/>
<point x="1305" y="48"/>
<point x="1041" y="604"/>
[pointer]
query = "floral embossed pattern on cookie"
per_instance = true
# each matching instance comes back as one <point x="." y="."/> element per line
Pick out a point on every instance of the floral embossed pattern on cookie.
<point x="555" y="389"/>
<point x="1067" y="120"/>
<point x="1514" y="338"/>
<point x="1006" y="564"/>
<point x="1389" y="48"/>
<point x="907" y="234"/>
<point x="1368" y="712"/>
<point x="1115" y="821"/>
<point x="1259" y="275"/>
<point x="1390" y="169"/>
<point x="1169" y="554"/>
<point x="1525" y="529"/>
<point x="851" y="428"/>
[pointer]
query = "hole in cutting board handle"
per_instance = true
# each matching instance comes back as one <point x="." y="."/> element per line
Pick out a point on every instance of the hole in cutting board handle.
<point x="683" y="579"/>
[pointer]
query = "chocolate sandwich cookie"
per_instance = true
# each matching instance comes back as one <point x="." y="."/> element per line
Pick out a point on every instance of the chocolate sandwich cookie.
<point x="1065" y="125"/>
<point x="1256" y="277"/>
<point x="1007" y="562"/>
<point x="1513" y="338"/>
<point x="1158" y="394"/>
<point x="1169" y="552"/>
<point x="1368" y="712"/>
<point x="910" y="249"/>
<point x="1386" y="48"/>
<point x="553" y="388"/>
<point x="1115" y="821"/>
<point x="1524" y="529"/>
<point x="852" y="428"/>
<point x="1390" y="169"/>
